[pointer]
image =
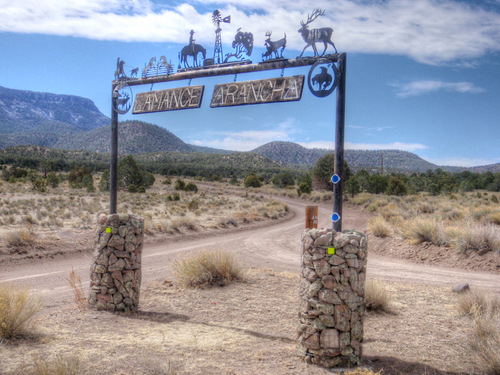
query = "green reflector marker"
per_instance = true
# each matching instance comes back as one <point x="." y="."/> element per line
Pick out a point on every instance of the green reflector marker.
<point x="331" y="250"/>
<point x="108" y="230"/>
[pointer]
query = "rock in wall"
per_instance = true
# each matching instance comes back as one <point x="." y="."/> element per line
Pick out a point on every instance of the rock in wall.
<point x="332" y="303"/>
<point x="115" y="274"/>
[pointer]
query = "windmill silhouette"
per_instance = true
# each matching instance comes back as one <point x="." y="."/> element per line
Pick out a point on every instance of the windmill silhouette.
<point x="217" y="19"/>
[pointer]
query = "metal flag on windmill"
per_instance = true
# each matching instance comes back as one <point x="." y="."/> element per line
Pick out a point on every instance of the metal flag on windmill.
<point x="217" y="19"/>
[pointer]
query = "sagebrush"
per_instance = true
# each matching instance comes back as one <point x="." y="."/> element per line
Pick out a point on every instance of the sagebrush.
<point x="17" y="311"/>
<point x="206" y="268"/>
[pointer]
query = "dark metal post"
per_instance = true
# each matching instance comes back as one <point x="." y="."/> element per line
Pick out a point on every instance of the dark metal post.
<point x="339" y="143"/>
<point x="113" y="170"/>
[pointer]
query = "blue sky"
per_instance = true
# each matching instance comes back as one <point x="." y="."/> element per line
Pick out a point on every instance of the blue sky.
<point x="422" y="75"/>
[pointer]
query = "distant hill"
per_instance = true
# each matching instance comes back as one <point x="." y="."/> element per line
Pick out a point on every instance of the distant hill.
<point x="134" y="137"/>
<point x="74" y="123"/>
<point x="290" y="153"/>
<point x="238" y="164"/>
<point x="494" y="168"/>
<point x="23" y="112"/>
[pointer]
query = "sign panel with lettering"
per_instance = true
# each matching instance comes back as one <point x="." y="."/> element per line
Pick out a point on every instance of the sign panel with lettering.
<point x="272" y="90"/>
<point x="168" y="100"/>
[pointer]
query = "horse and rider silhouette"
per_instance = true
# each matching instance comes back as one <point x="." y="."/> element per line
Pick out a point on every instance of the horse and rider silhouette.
<point x="192" y="49"/>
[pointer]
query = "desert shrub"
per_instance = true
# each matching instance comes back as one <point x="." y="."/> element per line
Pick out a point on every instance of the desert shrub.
<point x="478" y="238"/>
<point x="426" y="208"/>
<point x="17" y="310"/>
<point x="206" y="268"/>
<point x="304" y="188"/>
<point x="52" y="180"/>
<point x="396" y="186"/>
<point x="362" y="199"/>
<point x="104" y="183"/>
<point x="379" y="227"/>
<point x="476" y="301"/>
<point x="485" y="340"/>
<point x="60" y="365"/>
<point x="167" y="181"/>
<point x="252" y="181"/>
<point x="191" y="187"/>
<point x="377" y="297"/>
<point x="184" y="222"/>
<point x="39" y="184"/>
<point x="20" y="238"/>
<point x="494" y="198"/>
<point x="88" y="183"/>
<point x="420" y="230"/>
<point x="352" y="186"/>
<point x="193" y="205"/>
<point x="130" y="173"/>
<point x="283" y="180"/>
<point x="179" y="184"/>
<point x="494" y="218"/>
<point x="76" y="177"/>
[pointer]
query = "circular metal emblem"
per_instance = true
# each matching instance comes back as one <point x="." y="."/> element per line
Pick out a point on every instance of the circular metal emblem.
<point x="322" y="78"/>
<point x="122" y="99"/>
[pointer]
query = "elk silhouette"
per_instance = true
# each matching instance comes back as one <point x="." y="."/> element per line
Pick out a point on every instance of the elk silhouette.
<point x="311" y="37"/>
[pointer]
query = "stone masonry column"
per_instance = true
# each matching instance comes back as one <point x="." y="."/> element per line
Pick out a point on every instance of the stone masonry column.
<point x="332" y="303"/>
<point x="115" y="273"/>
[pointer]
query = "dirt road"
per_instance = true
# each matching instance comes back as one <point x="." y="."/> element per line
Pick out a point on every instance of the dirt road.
<point x="276" y="246"/>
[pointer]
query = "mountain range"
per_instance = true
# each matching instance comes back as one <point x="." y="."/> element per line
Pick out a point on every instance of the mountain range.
<point x="74" y="123"/>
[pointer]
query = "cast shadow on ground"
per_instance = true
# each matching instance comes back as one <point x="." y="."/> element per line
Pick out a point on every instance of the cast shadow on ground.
<point x="397" y="366"/>
<point x="158" y="317"/>
<point x="252" y="333"/>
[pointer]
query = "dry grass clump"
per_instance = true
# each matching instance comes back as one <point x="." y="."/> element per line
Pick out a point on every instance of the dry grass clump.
<point x="206" y="268"/>
<point x="421" y="230"/>
<point x="377" y="297"/>
<point x="17" y="310"/>
<point x="475" y="301"/>
<point x="379" y="227"/>
<point x="485" y="340"/>
<point x="186" y="222"/>
<point x="494" y="218"/>
<point x="76" y="285"/>
<point x="60" y="365"/>
<point x="20" y="238"/>
<point x="478" y="238"/>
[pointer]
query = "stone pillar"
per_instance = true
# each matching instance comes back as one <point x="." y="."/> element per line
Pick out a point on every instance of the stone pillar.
<point x="332" y="302"/>
<point x="115" y="273"/>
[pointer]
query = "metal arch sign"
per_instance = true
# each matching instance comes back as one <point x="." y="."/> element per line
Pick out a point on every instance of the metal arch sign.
<point x="122" y="98"/>
<point x="322" y="78"/>
<point x="168" y="100"/>
<point x="272" y="90"/>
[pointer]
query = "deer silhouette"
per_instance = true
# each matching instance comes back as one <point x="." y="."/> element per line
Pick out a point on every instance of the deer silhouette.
<point x="311" y="37"/>
<point x="277" y="47"/>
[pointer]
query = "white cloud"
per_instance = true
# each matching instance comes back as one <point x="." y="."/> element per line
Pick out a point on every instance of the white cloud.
<point x="428" y="31"/>
<point x="248" y="140"/>
<point x="462" y="162"/>
<point x="367" y="146"/>
<point x="416" y="88"/>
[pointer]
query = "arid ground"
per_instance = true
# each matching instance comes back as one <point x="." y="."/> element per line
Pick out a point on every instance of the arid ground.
<point x="243" y="327"/>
